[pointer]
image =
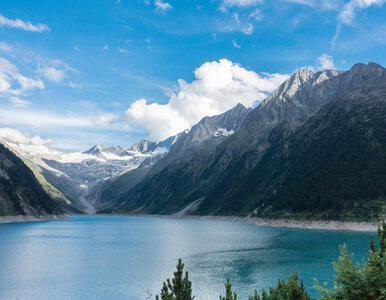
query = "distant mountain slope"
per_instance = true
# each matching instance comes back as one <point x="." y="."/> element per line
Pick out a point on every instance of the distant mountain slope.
<point x="20" y="191"/>
<point x="215" y="175"/>
<point x="72" y="178"/>
<point x="171" y="174"/>
<point x="145" y="146"/>
<point x="335" y="163"/>
<point x="108" y="152"/>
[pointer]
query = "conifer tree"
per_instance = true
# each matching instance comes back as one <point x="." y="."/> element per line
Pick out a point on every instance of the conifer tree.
<point x="228" y="292"/>
<point x="179" y="288"/>
<point x="366" y="281"/>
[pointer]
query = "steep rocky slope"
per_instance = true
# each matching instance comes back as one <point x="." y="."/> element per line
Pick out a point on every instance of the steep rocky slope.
<point x="172" y="173"/>
<point x="20" y="191"/>
<point x="212" y="177"/>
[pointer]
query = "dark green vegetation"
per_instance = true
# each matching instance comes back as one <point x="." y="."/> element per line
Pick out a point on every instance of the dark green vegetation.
<point x="365" y="281"/>
<point x="333" y="166"/>
<point x="179" y="288"/>
<point x="20" y="191"/>
<point x="314" y="149"/>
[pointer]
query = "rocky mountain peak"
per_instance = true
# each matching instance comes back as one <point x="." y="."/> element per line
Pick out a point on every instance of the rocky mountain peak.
<point x="365" y="70"/>
<point x="141" y="146"/>
<point x="98" y="150"/>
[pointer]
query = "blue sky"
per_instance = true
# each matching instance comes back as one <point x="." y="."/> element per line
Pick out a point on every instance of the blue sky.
<point x="79" y="73"/>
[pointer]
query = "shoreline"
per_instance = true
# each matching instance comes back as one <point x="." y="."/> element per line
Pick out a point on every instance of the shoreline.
<point x="282" y="223"/>
<point x="23" y="219"/>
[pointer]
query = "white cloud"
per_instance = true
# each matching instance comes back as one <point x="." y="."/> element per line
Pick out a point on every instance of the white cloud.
<point x="240" y="3"/>
<point x="14" y="83"/>
<point x="347" y="14"/>
<point x="219" y="86"/>
<point x="53" y="74"/>
<point x="77" y="50"/>
<point x="17" y="102"/>
<point x="27" y="26"/>
<point x="324" y="5"/>
<point x="74" y="85"/>
<point x="236" y="45"/>
<point x="105" y="48"/>
<point x="5" y="47"/>
<point x="326" y="62"/>
<point x="256" y="14"/>
<point x="162" y="6"/>
<point x="248" y="30"/>
<point x="16" y="137"/>
<point x="55" y="70"/>
<point x="42" y="119"/>
<point x="124" y="51"/>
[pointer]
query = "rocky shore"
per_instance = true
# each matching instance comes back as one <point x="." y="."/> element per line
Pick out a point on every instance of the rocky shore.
<point x="22" y="218"/>
<point x="288" y="223"/>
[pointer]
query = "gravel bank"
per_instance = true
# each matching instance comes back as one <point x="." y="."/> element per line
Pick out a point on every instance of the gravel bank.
<point x="20" y="218"/>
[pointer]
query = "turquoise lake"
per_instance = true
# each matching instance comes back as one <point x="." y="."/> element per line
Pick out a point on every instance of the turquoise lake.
<point x="124" y="257"/>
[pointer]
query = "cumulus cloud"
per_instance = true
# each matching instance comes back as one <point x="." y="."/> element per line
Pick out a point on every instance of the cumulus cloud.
<point x="16" y="137"/>
<point x="162" y="6"/>
<point x="27" y="26"/>
<point x="347" y="14"/>
<point x="14" y="83"/>
<point x="326" y="62"/>
<point x="218" y="86"/>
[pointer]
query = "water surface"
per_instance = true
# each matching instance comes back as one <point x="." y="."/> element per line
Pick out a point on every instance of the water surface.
<point x="124" y="257"/>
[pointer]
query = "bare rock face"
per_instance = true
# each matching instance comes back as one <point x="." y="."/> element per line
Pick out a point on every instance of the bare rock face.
<point x="146" y="146"/>
<point x="172" y="186"/>
<point x="212" y="128"/>
<point x="98" y="150"/>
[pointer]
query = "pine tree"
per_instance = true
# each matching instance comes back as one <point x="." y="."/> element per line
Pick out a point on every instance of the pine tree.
<point x="366" y="281"/>
<point x="228" y="292"/>
<point x="179" y="288"/>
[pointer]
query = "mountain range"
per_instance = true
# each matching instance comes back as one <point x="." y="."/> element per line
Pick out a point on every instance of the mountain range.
<point x="314" y="148"/>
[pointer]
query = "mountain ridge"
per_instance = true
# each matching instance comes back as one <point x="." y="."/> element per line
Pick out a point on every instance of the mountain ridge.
<point x="283" y="112"/>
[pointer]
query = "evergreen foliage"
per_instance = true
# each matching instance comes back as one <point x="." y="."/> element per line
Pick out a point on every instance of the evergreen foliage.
<point x="332" y="167"/>
<point x="366" y="281"/>
<point x="290" y="290"/>
<point x="229" y="295"/>
<point x="179" y="288"/>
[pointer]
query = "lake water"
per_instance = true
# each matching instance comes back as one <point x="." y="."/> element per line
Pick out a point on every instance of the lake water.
<point x="124" y="257"/>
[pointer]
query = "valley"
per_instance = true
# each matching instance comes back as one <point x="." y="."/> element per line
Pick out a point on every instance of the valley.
<point x="313" y="150"/>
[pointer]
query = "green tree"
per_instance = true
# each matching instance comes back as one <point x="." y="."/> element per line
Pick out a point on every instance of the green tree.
<point x="179" y="288"/>
<point x="365" y="281"/>
<point x="228" y="292"/>
<point x="290" y="290"/>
